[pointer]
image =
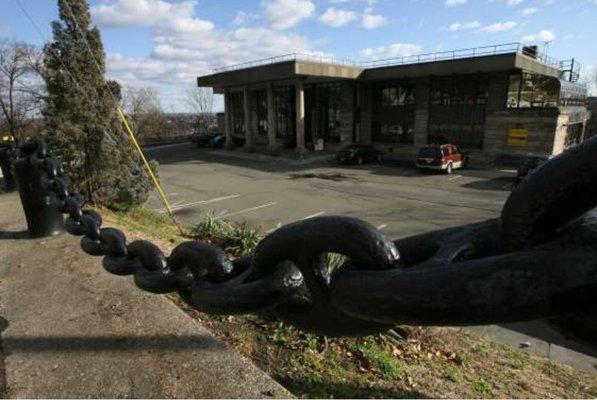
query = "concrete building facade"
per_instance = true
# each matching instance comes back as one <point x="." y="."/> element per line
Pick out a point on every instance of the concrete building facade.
<point x="500" y="101"/>
<point x="592" y="126"/>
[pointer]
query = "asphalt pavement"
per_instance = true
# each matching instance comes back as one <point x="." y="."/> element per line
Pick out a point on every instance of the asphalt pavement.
<point x="269" y="192"/>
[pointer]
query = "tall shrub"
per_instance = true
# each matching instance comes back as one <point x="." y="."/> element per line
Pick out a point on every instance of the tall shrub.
<point x="80" y="113"/>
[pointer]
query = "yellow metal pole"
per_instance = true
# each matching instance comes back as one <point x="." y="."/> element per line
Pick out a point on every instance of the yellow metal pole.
<point x="149" y="171"/>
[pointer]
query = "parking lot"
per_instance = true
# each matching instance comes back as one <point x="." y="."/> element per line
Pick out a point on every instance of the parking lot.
<point x="269" y="192"/>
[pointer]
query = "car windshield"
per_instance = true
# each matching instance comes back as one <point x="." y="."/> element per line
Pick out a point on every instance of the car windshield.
<point x="351" y="148"/>
<point x="428" y="152"/>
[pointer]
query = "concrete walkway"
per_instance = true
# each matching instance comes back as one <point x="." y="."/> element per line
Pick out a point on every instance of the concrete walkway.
<point x="69" y="329"/>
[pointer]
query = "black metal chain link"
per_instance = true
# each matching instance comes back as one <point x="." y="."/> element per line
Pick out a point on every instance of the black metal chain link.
<point x="461" y="275"/>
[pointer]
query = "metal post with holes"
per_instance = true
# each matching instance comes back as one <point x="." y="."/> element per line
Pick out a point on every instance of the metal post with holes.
<point x="39" y="203"/>
<point x="6" y="156"/>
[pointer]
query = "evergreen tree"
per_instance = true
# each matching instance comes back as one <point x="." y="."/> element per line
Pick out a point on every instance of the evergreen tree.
<point x="80" y="113"/>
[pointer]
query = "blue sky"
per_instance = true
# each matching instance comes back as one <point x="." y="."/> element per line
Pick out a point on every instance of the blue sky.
<point x="165" y="44"/>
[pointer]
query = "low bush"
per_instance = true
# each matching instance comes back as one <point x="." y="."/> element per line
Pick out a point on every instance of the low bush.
<point x="237" y="239"/>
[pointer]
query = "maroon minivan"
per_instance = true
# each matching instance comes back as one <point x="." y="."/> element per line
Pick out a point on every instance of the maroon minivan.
<point x="442" y="157"/>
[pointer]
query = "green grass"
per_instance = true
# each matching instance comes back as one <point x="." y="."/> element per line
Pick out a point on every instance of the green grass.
<point x="237" y="239"/>
<point x="426" y="362"/>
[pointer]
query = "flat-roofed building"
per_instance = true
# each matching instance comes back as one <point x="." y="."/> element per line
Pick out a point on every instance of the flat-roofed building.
<point x="592" y="125"/>
<point x="496" y="101"/>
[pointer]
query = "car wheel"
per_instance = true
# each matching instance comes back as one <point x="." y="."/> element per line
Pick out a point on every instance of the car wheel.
<point x="449" y="169"/>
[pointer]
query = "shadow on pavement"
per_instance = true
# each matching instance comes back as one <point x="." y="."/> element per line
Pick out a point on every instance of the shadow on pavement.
<point x="5" y="235"/>
<point x="553" y="334"/>
<point x="503" y="183"/>
<point x="190" y="153"/>
<point x="340" y="390"/>
<point x="36" y="344"/>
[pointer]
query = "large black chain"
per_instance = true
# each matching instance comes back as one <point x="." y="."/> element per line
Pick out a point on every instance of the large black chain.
<point x="538" y="260"/>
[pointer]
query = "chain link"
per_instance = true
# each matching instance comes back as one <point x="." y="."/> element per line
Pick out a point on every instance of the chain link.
<point x="462" y="275"/>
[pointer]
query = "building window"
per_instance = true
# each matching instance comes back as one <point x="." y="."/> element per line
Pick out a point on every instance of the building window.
<point x="572" y="94"/>
<point x="469" y="90"/>
<point x="573" y="135"/>
<point x="527" y="90"/>
<point x="238" y="113"/>
<point x="284" y="98"/>
<point x="395" y="133"/>
<point x="457" y="110"/>
<point x="259" y="112"/>
<point x="397" y="95"/>
<point x="327" y="107"/>
<point x="395" y="121"/>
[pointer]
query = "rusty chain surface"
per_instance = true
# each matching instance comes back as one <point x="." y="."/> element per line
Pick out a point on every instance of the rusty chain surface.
<point x="538" y="260"/>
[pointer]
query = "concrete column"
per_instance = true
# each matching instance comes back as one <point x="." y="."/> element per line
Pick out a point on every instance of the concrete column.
<point x="357" y="112"/>
<point x="421" y="112"/>
<point x="583" y="135"/>
<point x="300" y="116"/>
<point x="248" y="125"/>
<point x="272" y="123"/>
<point x="228" y="119"/>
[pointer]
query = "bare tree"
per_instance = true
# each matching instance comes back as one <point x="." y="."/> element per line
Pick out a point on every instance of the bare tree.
<point x="21" y="88"/>
<point x="144" y="110"/>
<point x="201" y="101"/>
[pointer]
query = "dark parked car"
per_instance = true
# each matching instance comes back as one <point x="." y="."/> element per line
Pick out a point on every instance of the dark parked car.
<point x="359" y="154"/>
<point x="529" y="165"/>
<point x="219" y="142"/>
<point x="206" y="139"/>
<point x="442" y="157"/>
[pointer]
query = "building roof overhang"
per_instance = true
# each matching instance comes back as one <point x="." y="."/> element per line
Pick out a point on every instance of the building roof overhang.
<point x="317" y="71"/>
<point x="463" y="66"/>
<point x="281" y="71"/>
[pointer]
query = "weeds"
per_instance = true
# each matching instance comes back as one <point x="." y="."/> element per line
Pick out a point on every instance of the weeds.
<point x="235" y="239"/>
<point x="417" y="362"/>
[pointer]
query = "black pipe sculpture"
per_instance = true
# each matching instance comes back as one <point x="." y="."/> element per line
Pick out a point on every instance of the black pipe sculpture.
<point x="538" y="260"/>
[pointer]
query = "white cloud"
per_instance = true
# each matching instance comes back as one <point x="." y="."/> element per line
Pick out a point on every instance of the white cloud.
<point x="528" y="11"/>
<point x="3" y="29"/>
<point x="391" y="51"/>
<point x="185" y="46"/>
<point x="457" y="26"/>
<point x="452" y="3"/>
<point x="514" y="2"/>
<point x="336" y="18"/>
<point x="146" y="13"/>
<point x="498" y="27"/>
<point x="242" y="18"/>
<point x="284" y="14"/>
<point x="545" y="35"/>
<point x="372" y="21"/>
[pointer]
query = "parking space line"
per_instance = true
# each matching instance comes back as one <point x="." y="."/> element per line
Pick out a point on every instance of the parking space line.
<point x="195" y="203"/>
<point x="313" y="215"/>
<point x="278" y="225"/>
<point x="248" y="210"/>
<point x="382" y="226"/>
<point x="455" y="177"/>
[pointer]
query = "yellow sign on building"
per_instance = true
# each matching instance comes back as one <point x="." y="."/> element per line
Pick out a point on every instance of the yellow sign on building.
<point x="517" y="137"/>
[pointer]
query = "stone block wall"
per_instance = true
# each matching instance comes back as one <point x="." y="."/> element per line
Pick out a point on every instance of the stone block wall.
<point x="541" y="124"/>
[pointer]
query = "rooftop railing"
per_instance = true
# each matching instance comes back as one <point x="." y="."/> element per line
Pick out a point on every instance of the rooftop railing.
<point x="507" y="48"/>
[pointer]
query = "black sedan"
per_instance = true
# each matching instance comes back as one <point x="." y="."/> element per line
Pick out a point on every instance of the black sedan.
<point x="206" y="139"/>
<point x="529" y="165"/>
<point x="359" y="154"/>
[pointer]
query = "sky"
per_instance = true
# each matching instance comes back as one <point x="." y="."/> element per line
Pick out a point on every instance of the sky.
<point x="166" y="44"/>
